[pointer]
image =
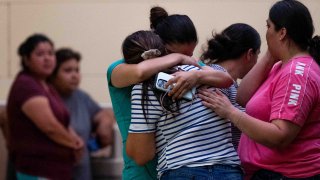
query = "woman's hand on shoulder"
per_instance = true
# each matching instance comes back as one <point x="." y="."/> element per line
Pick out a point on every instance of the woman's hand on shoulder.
<point x="217" y="101"/>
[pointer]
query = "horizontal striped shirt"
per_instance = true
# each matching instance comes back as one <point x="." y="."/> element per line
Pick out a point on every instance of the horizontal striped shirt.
<point x="231" y="93"/>
<point x="196" y="136"/>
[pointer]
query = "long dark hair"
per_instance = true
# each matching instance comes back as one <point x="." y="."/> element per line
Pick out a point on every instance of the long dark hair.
<point x="296" y="18"/>
<point x="172" y="29"/>
<point x="231" y="43"/>
<point x="26" y="48"/>
<point x="132" y="48"/>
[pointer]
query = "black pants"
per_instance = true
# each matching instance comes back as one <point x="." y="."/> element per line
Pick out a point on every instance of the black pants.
<point x="270" y="175"/>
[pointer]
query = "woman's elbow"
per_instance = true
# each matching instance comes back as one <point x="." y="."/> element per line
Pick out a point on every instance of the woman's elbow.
<point x="140" y="158"/>
<point x="280" y="143"/>
<point x="141" y="161"/>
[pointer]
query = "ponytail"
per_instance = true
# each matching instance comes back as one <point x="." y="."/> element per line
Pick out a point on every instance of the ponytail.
<point x="314" y="48"/>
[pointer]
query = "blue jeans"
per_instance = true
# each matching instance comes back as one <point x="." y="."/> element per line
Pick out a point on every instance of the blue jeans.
<point x="214" y="172"/>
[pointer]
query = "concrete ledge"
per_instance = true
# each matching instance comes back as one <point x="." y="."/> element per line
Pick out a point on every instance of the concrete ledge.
<point x="107" y="168"/>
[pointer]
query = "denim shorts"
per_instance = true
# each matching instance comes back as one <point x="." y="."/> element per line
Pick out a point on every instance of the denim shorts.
<point x="214" y="172"/>
<point x="263" y="174"/>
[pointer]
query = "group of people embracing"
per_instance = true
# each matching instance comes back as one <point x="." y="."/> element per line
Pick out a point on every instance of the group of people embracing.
<point x="275" y="109"/>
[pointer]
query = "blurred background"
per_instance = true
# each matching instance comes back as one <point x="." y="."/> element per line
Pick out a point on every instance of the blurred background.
<point x="96" y="28"/>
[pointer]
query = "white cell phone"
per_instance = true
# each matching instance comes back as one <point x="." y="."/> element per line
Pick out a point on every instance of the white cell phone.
<point x="163" y="78"/>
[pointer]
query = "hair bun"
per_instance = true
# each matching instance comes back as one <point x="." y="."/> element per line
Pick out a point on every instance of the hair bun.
<point x="314" y="48"/>
<point x="22" y="49"/>
<point x="157" y="14"/>
<point x="218" y="47"/>
<point x="315" y="41"/>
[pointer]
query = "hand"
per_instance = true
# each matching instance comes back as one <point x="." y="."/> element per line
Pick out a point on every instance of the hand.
<point x="216" y="101"/>
<point x="189" y="60"/>
<point x="78" y="150"/>
<point x="79" y="143"/>
<point x="181" y="83"/>
<point x="78" y="154"/>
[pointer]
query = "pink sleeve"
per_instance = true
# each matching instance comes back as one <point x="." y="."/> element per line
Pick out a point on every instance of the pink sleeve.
<point x="292" y="94"/>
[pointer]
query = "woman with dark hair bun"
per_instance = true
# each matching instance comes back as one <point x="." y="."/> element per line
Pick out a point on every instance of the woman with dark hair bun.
<point x="176" y="31"/>
<point x="179" y="40"/>
<point x="189" y="140"/>
<point x="234" y="50"/>
<point x="281" y="130"/>
<point x="41" y="144"/>
<point x="157" y="14"/>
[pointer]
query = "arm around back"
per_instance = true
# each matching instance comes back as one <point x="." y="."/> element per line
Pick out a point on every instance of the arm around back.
<point x="124" y="75"/>
<point x="185" y="80"/>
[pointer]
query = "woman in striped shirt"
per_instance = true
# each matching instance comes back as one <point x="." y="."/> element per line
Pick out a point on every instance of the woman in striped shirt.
<point x="190" y="140"/>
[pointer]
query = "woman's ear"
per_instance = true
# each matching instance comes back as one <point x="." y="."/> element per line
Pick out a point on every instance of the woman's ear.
<point x="25" y="61"/>
<point x="249" y="54"/>
<point x="282" y="33"/>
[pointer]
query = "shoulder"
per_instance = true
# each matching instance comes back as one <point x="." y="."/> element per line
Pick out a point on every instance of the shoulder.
<point x="25" y="87"/>
<point x="81" y="94"/>
<point x="112" y="66"/>
<point x="298" y="68"/>
<point x="25" y="82"/>
<point x="188" y="67"/>
<point x="137" y="87"/>
<point x="217" y="67"/>
<point x="25" y="78"/>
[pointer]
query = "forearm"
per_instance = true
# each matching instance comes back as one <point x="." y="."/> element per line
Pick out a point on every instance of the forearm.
<point x="214" y="78"/>
<point x="129" y="74"/>
<point x="104" y="123"/>
<point x="47" y="122"/>
<point x="272" y="135"/>
<point x="150" y="67"/>
<point x="62" y="136"/>
<point x="255" y="77"/>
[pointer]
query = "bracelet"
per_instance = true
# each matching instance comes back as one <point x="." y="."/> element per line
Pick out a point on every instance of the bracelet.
<point x="238" y="118"/>
<point x="201" y="64"/>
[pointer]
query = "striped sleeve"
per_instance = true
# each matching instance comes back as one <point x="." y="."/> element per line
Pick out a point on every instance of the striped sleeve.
<point x="139" y="122"/>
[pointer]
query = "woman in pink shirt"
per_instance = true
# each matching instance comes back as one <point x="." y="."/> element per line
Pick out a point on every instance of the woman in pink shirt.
<point x="281" y="126"/>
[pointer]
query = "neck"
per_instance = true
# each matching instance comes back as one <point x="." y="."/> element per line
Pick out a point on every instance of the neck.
<point x="232" y="66"/>
<point x="292" y="52"/>
<point x="61" y="92"/>
<point x="40" y="78"/>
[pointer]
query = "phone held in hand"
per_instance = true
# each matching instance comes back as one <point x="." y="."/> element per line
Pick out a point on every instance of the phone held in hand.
<point x="162" y="78"/>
